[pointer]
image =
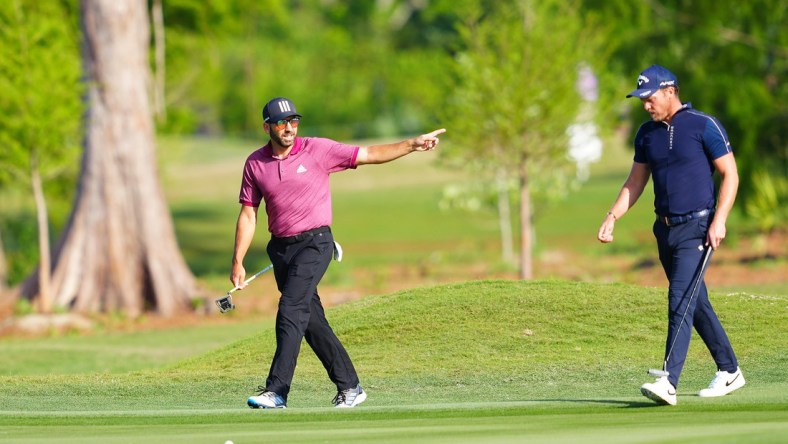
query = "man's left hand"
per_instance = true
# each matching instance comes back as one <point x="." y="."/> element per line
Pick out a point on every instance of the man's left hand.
<point x="716" y="234"/>
<point x="427" y="142"/>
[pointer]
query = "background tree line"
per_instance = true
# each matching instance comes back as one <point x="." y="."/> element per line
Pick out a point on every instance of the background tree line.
<point x="385" y="68"/>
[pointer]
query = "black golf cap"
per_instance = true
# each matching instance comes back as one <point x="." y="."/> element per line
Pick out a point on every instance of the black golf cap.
<point x="279" y="108"/>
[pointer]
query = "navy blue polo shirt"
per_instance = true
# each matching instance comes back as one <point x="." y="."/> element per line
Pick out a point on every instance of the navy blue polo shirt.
<point x="680" y="156"/>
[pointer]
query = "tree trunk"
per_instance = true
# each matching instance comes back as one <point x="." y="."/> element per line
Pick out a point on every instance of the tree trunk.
<point x="526" y="241"/>
<point x="3" y="267"/>
<point x="44" y="293"/>
<point x="118" y="251"/>
<point x="159" y="106"/>
<point x="505" y="218"/>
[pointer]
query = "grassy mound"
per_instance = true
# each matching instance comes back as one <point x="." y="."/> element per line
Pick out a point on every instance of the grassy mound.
<point x="508" y="340"/>
<point x="481" y="341"/>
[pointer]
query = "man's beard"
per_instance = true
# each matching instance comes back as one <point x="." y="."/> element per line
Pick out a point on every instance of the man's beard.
<point x="278" y="139"/>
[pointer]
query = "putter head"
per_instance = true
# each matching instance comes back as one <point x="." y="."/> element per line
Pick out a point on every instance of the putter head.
<point x="658" y="373"/>
<point x="337" y="252"/>
<point x="225" y="303"/>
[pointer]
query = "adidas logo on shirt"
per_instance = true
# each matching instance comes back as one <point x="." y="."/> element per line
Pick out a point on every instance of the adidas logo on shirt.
<point x="301" y="169"/>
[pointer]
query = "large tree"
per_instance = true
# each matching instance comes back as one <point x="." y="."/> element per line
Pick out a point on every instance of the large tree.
<point x="118" y="251"/>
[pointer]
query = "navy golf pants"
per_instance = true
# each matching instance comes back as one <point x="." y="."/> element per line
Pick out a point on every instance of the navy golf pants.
<point x="681" y="250"/>
<point x="298" y="268"/>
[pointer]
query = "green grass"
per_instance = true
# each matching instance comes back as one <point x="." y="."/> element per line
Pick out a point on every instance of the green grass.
<point x="115" y="352"/>
<point x="490" y="361"/>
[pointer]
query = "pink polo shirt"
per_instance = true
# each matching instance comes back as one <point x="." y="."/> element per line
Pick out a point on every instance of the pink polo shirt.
<point x="296" y="189"/>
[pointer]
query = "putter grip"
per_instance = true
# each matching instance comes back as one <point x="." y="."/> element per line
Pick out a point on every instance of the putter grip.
<point x="246" y="282"/>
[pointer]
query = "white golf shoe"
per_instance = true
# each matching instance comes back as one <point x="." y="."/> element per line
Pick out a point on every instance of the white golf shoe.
<point x="723" y="383"/>
<point x="266" y="399"/>
<point x="350" y="397"/>
<point x="661" y="391"/>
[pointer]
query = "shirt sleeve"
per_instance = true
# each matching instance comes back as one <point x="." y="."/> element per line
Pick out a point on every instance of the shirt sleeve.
<point x="640" y="152"/>
<point x="250" y="195"/>
<point x="334" y="156"/>
<point x="715" y="139"/>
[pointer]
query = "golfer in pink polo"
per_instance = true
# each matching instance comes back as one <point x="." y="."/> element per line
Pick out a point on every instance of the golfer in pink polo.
<point x="290" y="174"/>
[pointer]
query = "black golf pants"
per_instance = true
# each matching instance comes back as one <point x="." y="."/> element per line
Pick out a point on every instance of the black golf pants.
<point x="298" y="267"/>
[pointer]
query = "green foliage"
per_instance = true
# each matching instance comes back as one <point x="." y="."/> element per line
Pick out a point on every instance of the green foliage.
<point x="728" y="60"/>
<point x="40" y="80"/>
<point x="347" y="75"/>
<point x="514" y="94"/>
<point x="20" y="242"/>
<point x="41" y="107"/>
<point x="769" y="204"/>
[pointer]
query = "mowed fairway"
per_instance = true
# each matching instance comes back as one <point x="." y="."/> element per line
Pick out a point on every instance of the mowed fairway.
<point x="483" y="361"/>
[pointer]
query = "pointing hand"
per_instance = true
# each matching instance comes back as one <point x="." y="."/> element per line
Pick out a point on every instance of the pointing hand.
<point x="427" y="142"/>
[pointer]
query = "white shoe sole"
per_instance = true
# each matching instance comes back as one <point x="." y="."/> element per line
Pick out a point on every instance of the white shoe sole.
<point x="256" y="405"/>
<point x="359" y="399"/>
<point x="656" y="397"/>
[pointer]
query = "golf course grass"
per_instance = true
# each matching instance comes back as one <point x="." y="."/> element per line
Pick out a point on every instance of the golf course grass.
<point x="482" y="361"/>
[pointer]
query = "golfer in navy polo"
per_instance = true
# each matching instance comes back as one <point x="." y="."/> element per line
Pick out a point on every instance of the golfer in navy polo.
<point x="290" y="174"/>
<point x="681" y="148"/>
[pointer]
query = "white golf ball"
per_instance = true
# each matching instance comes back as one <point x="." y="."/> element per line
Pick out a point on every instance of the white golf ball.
<point x="228" y="442"/>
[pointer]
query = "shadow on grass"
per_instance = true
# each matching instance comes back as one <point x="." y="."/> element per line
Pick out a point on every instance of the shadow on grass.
<point x="618" y="402"/>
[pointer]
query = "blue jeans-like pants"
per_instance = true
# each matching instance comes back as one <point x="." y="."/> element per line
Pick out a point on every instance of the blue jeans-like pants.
<point x="681" y="250"/>
<point x="298" y="268"/>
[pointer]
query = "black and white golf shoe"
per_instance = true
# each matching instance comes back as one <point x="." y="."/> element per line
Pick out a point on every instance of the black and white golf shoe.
<point x="723" y="383"/>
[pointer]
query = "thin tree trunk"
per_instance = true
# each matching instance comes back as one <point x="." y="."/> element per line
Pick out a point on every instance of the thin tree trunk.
<point x="118" y="251"/>
<point x="44" y="292"/>
<point x="526" y="241"/>
<point x="505" y="218"/>
<point x="159" y="106"/>
<point x="3" y="267"/>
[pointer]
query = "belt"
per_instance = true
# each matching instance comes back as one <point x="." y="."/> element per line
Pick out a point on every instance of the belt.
<point x="678" y="220"/>
<point x="303" y="236"/>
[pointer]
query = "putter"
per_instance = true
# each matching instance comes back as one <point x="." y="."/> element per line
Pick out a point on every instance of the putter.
<point x="337" y="252"/>
<point x="664" y="372"/>
<point x="225" y="303"/>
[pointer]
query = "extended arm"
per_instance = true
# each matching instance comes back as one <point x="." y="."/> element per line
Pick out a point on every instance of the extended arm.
<point x="629" y="194"/>
<point x="729" y="186"/>
<point x="244" y="232"/>
<point x="388" y="152"/>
